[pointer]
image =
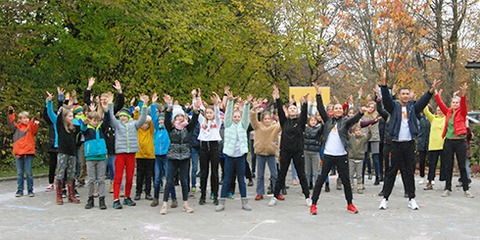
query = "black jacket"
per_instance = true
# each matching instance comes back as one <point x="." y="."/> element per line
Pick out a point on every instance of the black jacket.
<point x="312" y="137"/>
<point x="292" y="129"/>
<point x="179" y="139"/>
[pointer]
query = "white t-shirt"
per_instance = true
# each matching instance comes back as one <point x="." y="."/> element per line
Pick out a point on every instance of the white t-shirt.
<point x="334" y="145"/>
<point x="404" y="134"/>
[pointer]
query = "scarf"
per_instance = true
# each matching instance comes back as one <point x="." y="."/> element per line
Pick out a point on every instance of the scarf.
<point x="180" y="125"/>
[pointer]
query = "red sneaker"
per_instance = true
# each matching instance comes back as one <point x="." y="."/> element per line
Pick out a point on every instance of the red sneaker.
<point x="280" y="197"/>
<point x="258" y="197"/>
<point x="352" y="208"/>
<point x="313" y="209"/>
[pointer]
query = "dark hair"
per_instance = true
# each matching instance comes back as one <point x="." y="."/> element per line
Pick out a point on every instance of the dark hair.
<point x="404" y="88"/>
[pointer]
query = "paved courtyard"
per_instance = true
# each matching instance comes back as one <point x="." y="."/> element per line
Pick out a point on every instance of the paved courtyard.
<point x="454" y="217"/>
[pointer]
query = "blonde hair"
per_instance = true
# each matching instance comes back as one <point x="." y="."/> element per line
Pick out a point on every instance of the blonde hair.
<point x="23" y="114"/>
<point x="95" y="115"/>
<point x="68" y="127"/>
<point x="375" y="113"/>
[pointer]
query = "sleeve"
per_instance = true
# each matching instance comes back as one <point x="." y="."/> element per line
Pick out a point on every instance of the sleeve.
<point x="228" y="114"/>
<point x="142" y="119"/>
<point x="254" y="120"/>
<point x="245" y="117"/>
<point x="428" y="114"/>
<point x="153" y="112"/>
<point x="46" y="117"/>
<point x="367" y="123"/>
<point x="86" y="96"/>
<point x="113" y="121"/>
<point x="33" y="126"/>
<point x="387" y="99"/>
<point x="441" y="104"/>
<point x="353" y="120"/>
<point x="11" y="121"/>
<point x="193" y="122"/>
<point x="218" y="121"/>
<point x="106" y="121"/>
<point x="83" y="126"/>
<point x="281" y="114"/>
<point x="119" y="102"/>
<point x="303" y="116"/>
<point x="422" y="102"/>
<point x="168" y="120"/>
<point x="321" y="108"/>
<point x="463" y="105"/>
<point x="381" y="110"/>
<point x="50" y="113"/>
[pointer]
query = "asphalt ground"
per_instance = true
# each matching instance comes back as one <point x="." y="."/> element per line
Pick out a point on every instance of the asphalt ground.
<point x="454" y="217"/>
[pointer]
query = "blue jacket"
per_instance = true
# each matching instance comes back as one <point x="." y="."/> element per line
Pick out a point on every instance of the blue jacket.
<point x="161" y="140"/>
<point x="395" y="110"/>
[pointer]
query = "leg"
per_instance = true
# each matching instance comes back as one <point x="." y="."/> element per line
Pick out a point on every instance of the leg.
<point x="100" y="168"/>
<point x="328" y="163"/>
<point x="140" y="177"/>
<point x="227" y="177"/>
<point x="392" y="173"/>
<point x="272" y="166"/>
<point x="129" y="170"/>
<point x="448" y="159"/>
<point x="172" y="168"/>
<point x="215" y="159"/>
<point x="194" y="152"/>
<point x="29" y="172"/>
<point x="284" y="164"/>
<point x="261" y="162"/>
<point x="299" y="162"/>
<point x="409" y="162"/>
<point x="148" y="176"/>
<point x="240" y="166"/>
<point x="460" y="152"/>
<point x="119" y="167"/>
<point x="183" y="167"/>
<point x="156" y="178"/>
<point x="204" y="168"/>
<point x="342" y="167"/>
<point x="52" y="160"/>
<point x="90" y="177"/>
<point x="20" y="164"/>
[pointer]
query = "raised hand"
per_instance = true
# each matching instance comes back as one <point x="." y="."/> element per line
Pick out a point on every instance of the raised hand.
<point x="74" y="93"/>
<point x="110" y="97"/>
<point x="317" y="88"/>
<point x="60" y="90"/>
<point x="215" y="99"/>
<point x="304" y="99"/>
<point x="194" y="93"/>
<point x="384" y="77"/>
<point x="92" y="107"/>
<point x="91" y="81"/>
<point x="435" y="85"/>
<point x="230" y="96"/>
<point x="394" y="89"/>
<point x="10" y="109"/>
<point x="226" y="89"/>
<point x="369" y="97"/>
<point x="144" y="98"/>
<point x="249" y="99"/>
<point x="364" y="109"/>
<point x="118" y="86"/>
<point x="335" y="99"/>
<point x="154" y="98"/>
<point x="360" y="92"/>
<point x="375" y="90"/>
<point x="275" y="93"/>
<point x="463" y="89"/>
<point x="455" y="94"/>
<point x="168" y="99"/>
<point x="132" y="101"/>
<point x="49" y="96"/>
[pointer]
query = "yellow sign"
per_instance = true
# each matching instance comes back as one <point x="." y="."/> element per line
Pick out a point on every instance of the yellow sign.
<point x="302" y="91"/>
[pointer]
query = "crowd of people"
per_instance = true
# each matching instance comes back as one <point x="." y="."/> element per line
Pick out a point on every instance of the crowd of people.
<point x="168" y="142"/>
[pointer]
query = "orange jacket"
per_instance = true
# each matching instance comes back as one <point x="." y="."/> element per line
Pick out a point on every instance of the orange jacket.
<point x="23" y="136"/>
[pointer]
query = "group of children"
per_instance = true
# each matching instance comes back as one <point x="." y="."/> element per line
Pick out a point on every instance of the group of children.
<point x="159" y="140"/>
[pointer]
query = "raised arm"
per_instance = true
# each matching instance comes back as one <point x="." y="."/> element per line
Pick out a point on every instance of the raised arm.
<point x="279" y="105"/>
<point x="143" y="112"/>
<point x="355" y="118"/>
<point x="428" y="114"/>
<point x="246" y="110"/>
<point x="229" y="111"/>
<point x="153" y="112"/>
<point x="11" y="118"/>
<point x="320" y="107"/>
<point x="304" y="111"/>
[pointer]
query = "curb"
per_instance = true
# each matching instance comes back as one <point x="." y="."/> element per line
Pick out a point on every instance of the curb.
<point x="5" y="179"/>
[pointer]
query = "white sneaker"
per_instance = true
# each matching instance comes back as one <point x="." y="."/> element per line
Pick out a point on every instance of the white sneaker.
<point x="412" y="204"/>
<point x="446" y="193"/>
<point x="273" y="202"/>
<point x="50" y="188"/>
<point x="383" y="204"/>
<point x="422" y="181"/>
<point x="433" y="182"/>
<point x="469" y="194"/>
<point x="309" y="201"/>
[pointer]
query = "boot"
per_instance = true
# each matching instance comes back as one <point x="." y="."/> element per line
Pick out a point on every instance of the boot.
<point x="360" y="189"/>
<point x="221" y="205"/>
<point x="327" y="187"/>
<point x="245" y="204"/>
<point x="377" y="181"/>
<point x="187" y="208"/>
<point x="71" y="192"/>
<point x="59" y="187"/>
<point x="90" y="203"/>
<point x="101" y="202"/>
<point x="154" y="202"/>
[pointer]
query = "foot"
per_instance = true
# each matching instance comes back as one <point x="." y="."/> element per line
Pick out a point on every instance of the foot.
<point x="137" y="197"/>
<point x="446" y="193"/>
<point x="230" y="195"/>
<point x="308" y="201"/>
<point x="383" y="204"/>
<point x="421" y="181"/>
<point x="281" y="197"/>
<point x="258" y="197"/>
<point x="129" y="202"/>
<point x="313" y="209"/>
<point x="174" y="203"/>
<point x="272" y="202"/>
<point x="351" y="208"/>
<point x="64" y="193"/>
<point x="327" y="188"/>
<point x="49" y="188"/>
<point x="468" y="194"/>
<point x="412" y="204"/>
<point x="187" y="208"/>
<point x="202" y="201"/>
<point x="380" y="194"/>
<point x="429" y="186"/>
<point x="250" y="183"/>
<point x="163" y="209"/>
<point x="31" y="194"/>
<point x="154" y="202"/>
<point x="149" y="197"/>
<point x="77" y="194"/>
<point x="360" y="191"/>
<point x="117" y="204"/>
<point x="294" y="182"/>
<point x="377" y="181"/>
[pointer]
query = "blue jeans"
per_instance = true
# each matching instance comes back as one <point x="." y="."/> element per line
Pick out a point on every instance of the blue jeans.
<point x="160" y="170"/>
<point x="234" y="164"/>
<point x="272" y="166"/>
<point x="24" y="166"/>
<point x="195" y="156"/>
<point x="182" y="167"/>
<point x="110" y="166"/>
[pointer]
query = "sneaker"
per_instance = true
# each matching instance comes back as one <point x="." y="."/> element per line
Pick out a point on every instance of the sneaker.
<point x="412" y="204"/>
<point x="383" y="204"/>
<point x="469" y="194"/>
<point x="258" y="197"/>
<point x="111" y="189"/>
<point x="230" y="195"/>
<point x="273" y="202"/>
<point x="174" y="203"/>
<point x="202" y="201"/>
<point x="129" y="202"/>
<point x="187" y="208"/>
<point x="149" y="197"/>
<point x="50" y="188"/>
<point x="360" y="191"/>
<point x="446" y="193"/>
<point x="250" y="183"/>
<point x="380" y="194"/>
<point x="269" y="191"/>
<point x="281" y="198"/>
<point x="459" y="184"/>
<point x="64" y="193"/>
<point x="429" y="186"/>
<point x="30" y="194"/>
<point x="433" y="182"/>
<point x="194" y="189"/>
<point x="19" y="193"/>
<point x="351" y="208"/>
<point x="212" y="196"/>
<point x="313" y="209"/>
<point x="137" y="197"/>
<point x="76" y="193"/>
<point x="154" y="202"/>
<point x="421" y="181"/>
<point x="308" y="201"/>
<point x="215" y="201"/>
<point x="117" y="204"/>
<point x="163" y="209"/>
<point x="294" y="182"/>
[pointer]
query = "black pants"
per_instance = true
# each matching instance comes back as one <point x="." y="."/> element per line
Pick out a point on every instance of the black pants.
<point x="432" y="164"/>
<point x="422" y="158"/>
<point x="342" y="166"/>
<point x="209" y="159"/>
<point x="145" y="169"/>
<point x="459" y="148"/>
<point x="52" y="166"/>
<point x="403" y="159"/>
<point x="299" y="162"/>
<point x="381" y="158"/>
<point x="387" y="158"/>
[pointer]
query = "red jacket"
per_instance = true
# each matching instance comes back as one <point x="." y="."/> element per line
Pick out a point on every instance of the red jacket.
<point x="460" y="117"/>
<point x="23" y="136"/>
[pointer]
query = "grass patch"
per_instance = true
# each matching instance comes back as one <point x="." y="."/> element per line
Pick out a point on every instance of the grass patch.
<point x="12" y="171"/>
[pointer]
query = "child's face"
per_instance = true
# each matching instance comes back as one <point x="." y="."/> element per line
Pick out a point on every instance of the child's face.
<point x="267" y="120"/>
<point x="124" y="119"/>
<point x="146" y="125"/>
<point x="24" y="120"/>
<point x="69" y="118"/>
<point x="94" y="122"/>
<point x="78" y="114"/>
<point x="209" y="114"/>
<point x="351" y="113"/>
<point x="312" y="122"/>
<point x="292" y="111"/>
<point x="237" y="117"/>
<point x="357" y="132"/>
<point x="179" y="118"/>
<point x="161" y="121"/>
<point x="370" y="108"/>
<point x="439" y="112"/>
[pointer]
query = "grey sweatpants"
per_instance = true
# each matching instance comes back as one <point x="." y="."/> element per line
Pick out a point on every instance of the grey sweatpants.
<point x="312" y="162"/>
<point x="96" y="172"/>
<point x="355" y="168"/>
